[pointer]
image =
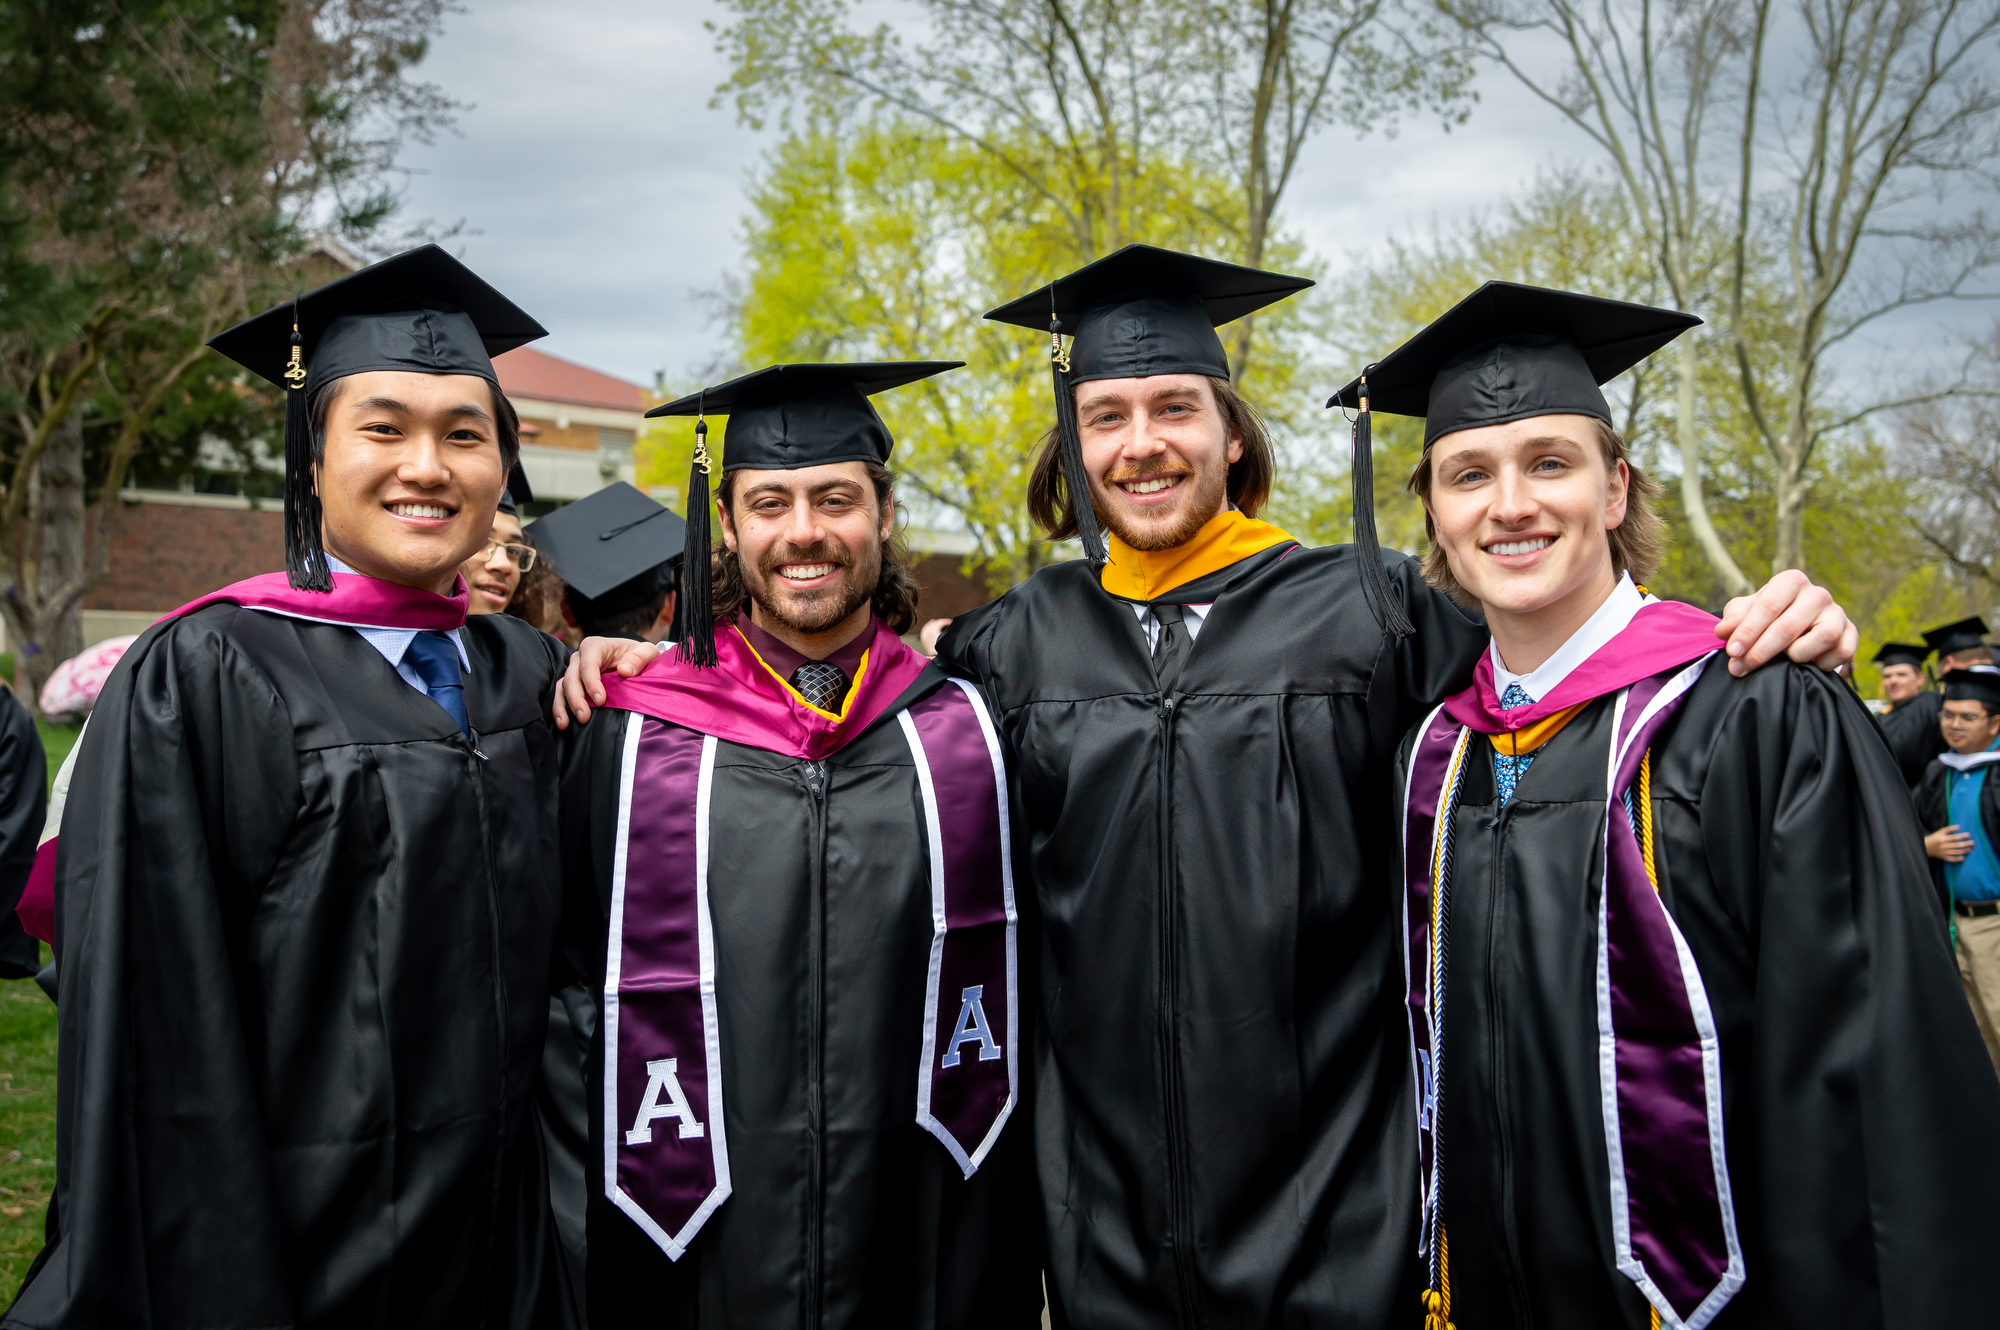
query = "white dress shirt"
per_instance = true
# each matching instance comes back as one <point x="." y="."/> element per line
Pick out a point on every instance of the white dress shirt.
<point x="1609" y="621"/>
<point x="1149" y="622"/>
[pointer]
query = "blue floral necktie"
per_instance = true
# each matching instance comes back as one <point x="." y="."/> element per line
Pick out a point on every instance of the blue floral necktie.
<point x="435" y="660"/>
<point x="1508" y="770"/>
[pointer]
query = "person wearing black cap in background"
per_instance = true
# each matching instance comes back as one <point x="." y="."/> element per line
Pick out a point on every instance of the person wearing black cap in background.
<point x="1960" y="810"/>
<point x="1688" y="1048"/>
<point x="619" y="554"/>
<point x="797" y="835"/>
<point x="493" y="573"/>
<point x="1960" y="645"/>
<point x="1910" y="724"/>
<point x="1205" y="727"/>
<point x="306" y="888"/>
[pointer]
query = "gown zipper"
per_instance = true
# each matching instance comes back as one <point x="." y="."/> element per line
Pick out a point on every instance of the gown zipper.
<point x="1177" y="1152"/>
<point x="816" y="780"/>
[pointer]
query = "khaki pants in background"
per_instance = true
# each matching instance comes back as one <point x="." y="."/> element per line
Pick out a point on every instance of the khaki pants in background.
<point x="1978" y="949"/>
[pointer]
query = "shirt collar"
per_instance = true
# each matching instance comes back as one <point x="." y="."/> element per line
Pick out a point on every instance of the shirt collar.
<point x="394" y="643"/>
<point x="1611" y="619"/>
<point x="786" y="661"/>
<point x="1967" y="761"/>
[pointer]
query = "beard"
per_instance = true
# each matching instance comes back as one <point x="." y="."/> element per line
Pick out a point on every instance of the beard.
<point x="820" y="608"/>
<point x="1200" y="497"/>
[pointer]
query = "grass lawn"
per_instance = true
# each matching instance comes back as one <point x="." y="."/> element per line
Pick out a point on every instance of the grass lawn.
<point x="27" y="1096"/>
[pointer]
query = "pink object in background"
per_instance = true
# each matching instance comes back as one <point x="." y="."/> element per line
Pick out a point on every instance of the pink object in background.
<point x="72" y="689"/>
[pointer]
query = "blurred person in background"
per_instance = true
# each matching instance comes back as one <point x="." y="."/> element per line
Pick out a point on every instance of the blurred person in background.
<point x="306" y="887"/>
<point x="493" y="574"/>
<point x="1910" y="724"/>
<point x="1959" y="806"/>
<point x="1960" y="645"/>
<point x="618" y="553"/>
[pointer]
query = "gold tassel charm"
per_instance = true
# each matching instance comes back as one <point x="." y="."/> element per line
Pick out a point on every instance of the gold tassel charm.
<point x="701" y="457"/>
<point x="1058" y="353"/>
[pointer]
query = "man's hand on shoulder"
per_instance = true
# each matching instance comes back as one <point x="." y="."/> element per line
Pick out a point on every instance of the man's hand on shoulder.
<point x="1788" y="616"/>
<point x="582" y="685"/>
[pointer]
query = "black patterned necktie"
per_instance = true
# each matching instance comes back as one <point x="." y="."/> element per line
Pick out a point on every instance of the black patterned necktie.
<point x="824" y="686"/>
<point x="1171" y="646"/>
<point x="820" y="684"/>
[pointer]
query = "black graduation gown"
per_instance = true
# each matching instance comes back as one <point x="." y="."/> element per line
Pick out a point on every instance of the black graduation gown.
<point x="1933" y="801"/>
<point x="1914" y="738"/>
<point x="844" y="1212"/>
<point x="1224" y="1125"/>
<point x="24" y="805"/>
<point x="306" y="935"/>
<point x="1856" y="1091"/>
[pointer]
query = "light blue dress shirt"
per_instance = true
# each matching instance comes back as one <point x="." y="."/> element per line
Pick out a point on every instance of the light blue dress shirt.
<point x="394" y="643"/>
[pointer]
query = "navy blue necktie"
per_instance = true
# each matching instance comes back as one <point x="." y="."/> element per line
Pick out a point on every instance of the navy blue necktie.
<point x="435" y="660"/>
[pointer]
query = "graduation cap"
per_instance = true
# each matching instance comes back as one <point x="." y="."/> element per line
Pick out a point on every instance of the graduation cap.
<point x="781" y="418"/>
<point x="1980" y="683"/>
<point x="1506" y="352"/>
<point x="1902" y="653"/>
<point x="1961" y="636"/>
<point x="421" y="311"/>
<point x="615" y="549"/>
<point x="518" y="493"/>
<point x="1138" y="313"/>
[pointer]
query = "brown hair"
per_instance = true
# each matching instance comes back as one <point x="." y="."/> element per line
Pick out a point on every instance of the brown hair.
<point x="1250" y="476"/>
<point x="895" y="598"/>
<point x="1637" y="544"/>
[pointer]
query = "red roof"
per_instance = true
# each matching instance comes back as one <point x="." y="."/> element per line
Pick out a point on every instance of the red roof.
<point x="541" y="377"/>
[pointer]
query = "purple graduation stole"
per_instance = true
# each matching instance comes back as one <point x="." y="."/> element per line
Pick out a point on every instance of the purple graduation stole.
<point x="666" y="1154"/>
<point x="1673" y="1218"/>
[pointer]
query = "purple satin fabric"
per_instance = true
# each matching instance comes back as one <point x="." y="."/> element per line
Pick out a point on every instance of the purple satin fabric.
<point x="1674" y="1207"/>
<point x="1662" y="635"/>
<point x="963" y="1098"/>
<point x="657" y="1011"/>
<point x="366" y="602"/>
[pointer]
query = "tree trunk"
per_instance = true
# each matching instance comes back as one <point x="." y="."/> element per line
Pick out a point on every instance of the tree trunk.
<point x="1693" y="502"/>
<point x="50" y="632"/>
<point x="1793" y="492"/>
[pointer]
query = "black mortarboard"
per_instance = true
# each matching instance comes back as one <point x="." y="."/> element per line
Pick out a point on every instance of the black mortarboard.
<point x="1506" y="352"/>
<point x="614" y="549"/>
<point x="421" y="311"/>
<point x="1980" y="683"/>
<point x="1138" y="313"/>
<point x="1960" y="636"/>
<point x="518" y="492"/>
<point x="1902" y="653"/>
<point x="781" y="418"/>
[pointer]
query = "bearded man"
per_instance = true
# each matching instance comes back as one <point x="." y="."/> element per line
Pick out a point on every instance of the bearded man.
<point x="794" y="832"/>
<point x="1205" y="730"/>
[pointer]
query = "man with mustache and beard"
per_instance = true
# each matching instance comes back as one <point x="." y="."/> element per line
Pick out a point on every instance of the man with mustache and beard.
<point x="1205" y="728"/>
<point x="793" y="832"/>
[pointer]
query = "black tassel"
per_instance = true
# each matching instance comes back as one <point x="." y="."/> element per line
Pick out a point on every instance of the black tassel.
<point x="305" y="557"/>
<point x="1075" y="479"/>
<point x="694" y="612"/>
<point x="1375" y="587"/>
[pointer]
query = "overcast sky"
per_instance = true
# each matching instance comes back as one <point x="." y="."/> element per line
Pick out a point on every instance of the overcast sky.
<point x="600" y="191"/>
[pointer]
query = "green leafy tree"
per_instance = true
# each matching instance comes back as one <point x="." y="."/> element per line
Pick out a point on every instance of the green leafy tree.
<point x="160" y="167"/>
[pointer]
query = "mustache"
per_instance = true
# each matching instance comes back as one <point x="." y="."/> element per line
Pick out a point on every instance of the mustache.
<point x="1155" y="469"/>
<point x="822" y="552"/>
